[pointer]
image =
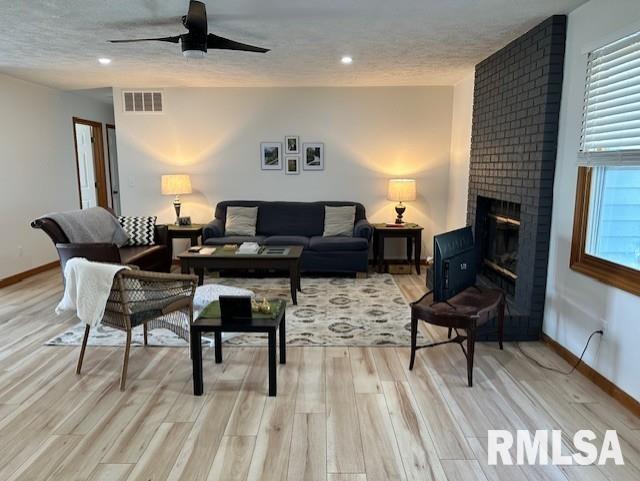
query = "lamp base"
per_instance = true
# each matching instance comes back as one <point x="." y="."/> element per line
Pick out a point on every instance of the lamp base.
<point x="400" y="208"/>
<point x="176" y="205"/>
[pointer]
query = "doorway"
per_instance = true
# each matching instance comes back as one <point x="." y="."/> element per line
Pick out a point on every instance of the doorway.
<point x="112" y="156"/>
<point x="92" y="182"/>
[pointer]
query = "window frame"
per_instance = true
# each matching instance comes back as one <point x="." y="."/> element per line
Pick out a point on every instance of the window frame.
<point x="616" y="275"/>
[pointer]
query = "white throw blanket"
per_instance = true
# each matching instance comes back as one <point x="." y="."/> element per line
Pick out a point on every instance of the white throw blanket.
<point x="87" y="288"/>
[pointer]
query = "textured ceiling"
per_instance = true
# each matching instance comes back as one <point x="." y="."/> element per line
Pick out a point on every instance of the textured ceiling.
<point x="393" y="42"/>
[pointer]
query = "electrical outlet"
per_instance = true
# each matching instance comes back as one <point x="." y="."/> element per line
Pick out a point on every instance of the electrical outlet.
<point x="605" y="325"/>
<point x="20" y="251"/>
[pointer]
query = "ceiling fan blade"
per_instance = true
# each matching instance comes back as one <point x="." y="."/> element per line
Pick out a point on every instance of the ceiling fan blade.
<point x="175" y="39"/>
<point x="213" y="41"/>
<point x="196" y="19"/>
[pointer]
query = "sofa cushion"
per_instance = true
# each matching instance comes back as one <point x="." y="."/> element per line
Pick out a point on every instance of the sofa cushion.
<point x="290" y="218"/>
<point x="233" y="239"/>
<point x="241" y="221"/>
<point x="339" y="220"/>
<point x="286" y="240"/>
<point x="334" y="244"/>
<point x="143" y="255"/>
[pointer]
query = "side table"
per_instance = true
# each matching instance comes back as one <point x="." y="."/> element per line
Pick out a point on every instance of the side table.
<point x="191" y="232"/>
<point x="411" y="232"/>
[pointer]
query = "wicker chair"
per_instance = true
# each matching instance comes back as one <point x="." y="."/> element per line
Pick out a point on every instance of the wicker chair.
<point x="153" y="299"/>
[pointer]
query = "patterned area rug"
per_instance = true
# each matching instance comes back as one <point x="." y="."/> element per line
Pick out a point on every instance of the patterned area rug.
<point x="330" y="312"/>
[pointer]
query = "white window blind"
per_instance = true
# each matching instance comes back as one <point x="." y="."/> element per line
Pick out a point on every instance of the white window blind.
<point x="611" y="114"/>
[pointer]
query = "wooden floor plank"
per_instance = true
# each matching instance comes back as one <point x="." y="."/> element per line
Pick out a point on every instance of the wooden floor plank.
<point x="232" y="459"/>
<point x="344" y="444"/>
<point x="110" y="472"/>
<point x="247" y="413"/>
<point x="381" y="453"/>
<point x="199" y="450"/>
<point x="445" y="432"/>
<point x="347" y="477"/>
<point x="273" y="442"/>
<point x="364" y="371"/>
<point x="463" y="470"/>
<point x="308" y="448"/>
<point x="158" y="458"/>
<point x="417" y="450"/>
<point x="45" y="460"/>
<point x="311" y="383"/>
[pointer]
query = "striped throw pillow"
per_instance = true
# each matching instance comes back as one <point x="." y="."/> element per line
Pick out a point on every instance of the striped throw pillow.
<point x="139" y="229"/>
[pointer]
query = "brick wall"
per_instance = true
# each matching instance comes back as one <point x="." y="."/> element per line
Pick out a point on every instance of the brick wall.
<point x="513" y="154"/>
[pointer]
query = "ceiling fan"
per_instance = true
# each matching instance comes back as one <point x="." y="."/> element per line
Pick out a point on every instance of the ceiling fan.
<point x="196" y="42"/>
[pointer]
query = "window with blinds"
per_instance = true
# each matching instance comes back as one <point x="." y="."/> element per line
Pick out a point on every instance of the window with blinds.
<point x="606" y="234"/>
<point x="611" y="116"/>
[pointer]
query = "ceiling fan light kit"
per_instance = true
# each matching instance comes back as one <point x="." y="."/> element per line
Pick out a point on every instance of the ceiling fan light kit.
<point x="197" y="41"/>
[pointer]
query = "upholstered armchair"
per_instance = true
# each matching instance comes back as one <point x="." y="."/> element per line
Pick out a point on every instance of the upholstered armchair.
<point x="155" y="257"/>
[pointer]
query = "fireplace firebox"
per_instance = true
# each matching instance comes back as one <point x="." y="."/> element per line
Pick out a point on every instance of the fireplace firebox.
<point x="498" y="236"/>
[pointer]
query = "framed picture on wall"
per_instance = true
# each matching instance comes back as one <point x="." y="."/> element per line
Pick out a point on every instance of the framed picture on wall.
<point x="313" y="156"/>
<point x="271" y="155"/>
<point x="291" y="144"/>
<point x="292" y="165"/>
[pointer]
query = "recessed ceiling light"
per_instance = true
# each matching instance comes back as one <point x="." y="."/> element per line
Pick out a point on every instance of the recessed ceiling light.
<point x="346" y="60"/>
<point x="104" y="61"/>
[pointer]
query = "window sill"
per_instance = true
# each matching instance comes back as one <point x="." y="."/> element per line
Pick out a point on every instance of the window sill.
<point x="609" y="273"/>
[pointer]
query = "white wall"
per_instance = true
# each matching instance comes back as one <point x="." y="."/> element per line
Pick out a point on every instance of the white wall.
<point x="370" y="135"/>
<point x="576" y="304"/>
<point x="460" y="152"/>
<point x="38" y="165"/>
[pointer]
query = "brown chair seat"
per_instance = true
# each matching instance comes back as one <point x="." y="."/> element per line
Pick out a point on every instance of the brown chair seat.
<point x="473" y="306"/>
<point x="466" y="311"/>
<point x="154" y="254"/>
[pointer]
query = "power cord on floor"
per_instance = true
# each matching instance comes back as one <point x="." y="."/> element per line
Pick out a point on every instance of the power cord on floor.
<point x="548" y="368"/>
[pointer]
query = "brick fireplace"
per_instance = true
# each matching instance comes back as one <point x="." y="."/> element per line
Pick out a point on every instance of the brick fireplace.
<point x="513" y="153"/>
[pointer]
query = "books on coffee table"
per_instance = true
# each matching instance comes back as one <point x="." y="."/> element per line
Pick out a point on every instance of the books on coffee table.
<point x="248" y="248"/>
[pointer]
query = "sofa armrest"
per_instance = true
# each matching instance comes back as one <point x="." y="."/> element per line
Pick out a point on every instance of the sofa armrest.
<point x="215" y="228"/>
<point x="97" y="252"/>
<point x="161" y="235"/>
<point x="363" y="229"/>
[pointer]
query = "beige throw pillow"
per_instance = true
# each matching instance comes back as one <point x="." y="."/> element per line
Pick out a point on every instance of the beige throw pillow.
<point x="241" y="221"/>
<point x="339" y="221"/>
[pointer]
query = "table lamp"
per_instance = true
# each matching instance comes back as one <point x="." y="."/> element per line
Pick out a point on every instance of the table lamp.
<point x="176" y="184"/>
<point x="401" y="190"/>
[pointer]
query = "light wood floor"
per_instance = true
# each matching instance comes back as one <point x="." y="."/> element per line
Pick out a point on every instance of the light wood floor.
<point x="341" y="414"/>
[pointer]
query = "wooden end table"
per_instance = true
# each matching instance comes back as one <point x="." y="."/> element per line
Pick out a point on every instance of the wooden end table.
<point x="191" y="232"/>
<point x="258" y="325"/>
<point x="223" y="259"/>
<point x="411" y="232"/>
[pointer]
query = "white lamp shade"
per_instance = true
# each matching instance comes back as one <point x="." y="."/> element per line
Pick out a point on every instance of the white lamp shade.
<point x="402" y="190"/>
<point x="176" y="184"/>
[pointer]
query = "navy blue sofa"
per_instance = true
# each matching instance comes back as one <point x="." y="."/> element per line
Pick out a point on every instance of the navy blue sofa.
<point x="300" y="223"/>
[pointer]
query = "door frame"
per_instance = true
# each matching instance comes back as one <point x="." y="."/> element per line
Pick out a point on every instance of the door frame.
<point x="99" y="167"/>
<point x="107" y="127"/>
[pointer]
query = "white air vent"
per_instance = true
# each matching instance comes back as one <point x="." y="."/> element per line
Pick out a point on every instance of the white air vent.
<point x="142" y="101"/>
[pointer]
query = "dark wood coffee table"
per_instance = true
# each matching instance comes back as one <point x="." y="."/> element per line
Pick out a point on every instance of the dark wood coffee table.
<point x="228" y="259"/>
<point x="217" y="326"/>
